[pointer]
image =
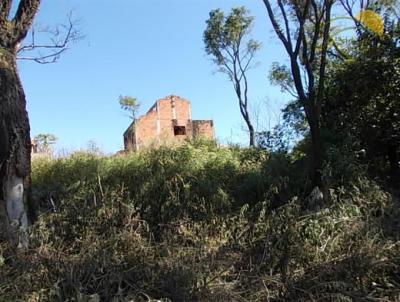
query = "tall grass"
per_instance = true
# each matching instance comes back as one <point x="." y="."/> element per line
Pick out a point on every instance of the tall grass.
<point x="201" y="223"/>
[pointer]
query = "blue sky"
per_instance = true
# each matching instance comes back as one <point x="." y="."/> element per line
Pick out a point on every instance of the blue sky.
<point x="147" y="49"/>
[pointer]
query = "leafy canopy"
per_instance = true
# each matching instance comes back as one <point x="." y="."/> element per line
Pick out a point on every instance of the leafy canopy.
<point x="224" y="38"/>
<point x="43" y="141"/>
<point x="129" y="104"/>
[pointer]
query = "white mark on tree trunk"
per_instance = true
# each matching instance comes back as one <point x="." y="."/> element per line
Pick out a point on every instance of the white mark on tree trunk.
<point x="315" y="199"/>
<point x="16" y="209"/>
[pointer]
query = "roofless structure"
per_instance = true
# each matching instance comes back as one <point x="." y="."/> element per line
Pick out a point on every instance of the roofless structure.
<point x="168" y="120"/>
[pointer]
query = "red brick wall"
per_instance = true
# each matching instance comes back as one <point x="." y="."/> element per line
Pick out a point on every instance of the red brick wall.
<point x="165" y="118"/>
<point x="129" y="138"/>
<point x="146" y="129"/>
<point x="204" y="128"/>
<point x="157" y="125"/>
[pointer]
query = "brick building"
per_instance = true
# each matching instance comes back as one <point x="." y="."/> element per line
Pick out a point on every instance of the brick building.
<point x="168" y="120"/>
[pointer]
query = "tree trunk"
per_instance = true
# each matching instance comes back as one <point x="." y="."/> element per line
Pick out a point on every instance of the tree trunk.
<point x="317" y="156"/>
<point x="316" y="148"/>
<point x="15" y="155"/>
<point x="250" y="127"/>
<point x="394" y="163"/>
<point x="252" y="135"/>
<point x="246" y="117"/>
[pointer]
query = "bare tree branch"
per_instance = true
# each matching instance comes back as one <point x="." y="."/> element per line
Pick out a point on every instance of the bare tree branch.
<point x="287" y="27"/>
<point x="348" y="7"/>
<point x="301" y="18"/>
<point x="45" y="59"/>
<point x="325" y="40"/>
<point x="339" y="53"/>
<point x="250" y="58"/>
<point x="57" y="42"/>
<point x="287" y="43"/>
<point x="317" y="25"/>
<point x="307" y="63"/>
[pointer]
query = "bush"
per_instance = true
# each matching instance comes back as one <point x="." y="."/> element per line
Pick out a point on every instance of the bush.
<point x="201" y="223"/>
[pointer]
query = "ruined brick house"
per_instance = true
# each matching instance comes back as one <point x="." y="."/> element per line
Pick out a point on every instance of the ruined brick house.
<point x="168" y="120"/>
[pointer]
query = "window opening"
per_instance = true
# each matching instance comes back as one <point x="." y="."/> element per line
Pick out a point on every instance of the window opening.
<point x="179" y="130"/>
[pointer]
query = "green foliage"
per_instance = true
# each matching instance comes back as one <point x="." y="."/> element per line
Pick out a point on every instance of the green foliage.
<point x="285" y="135"/>
<point x="129" y="104"/>
<point x="167" y="184"/>
<point x="223" y="38"/>
<point x="280" y="75"/>
<point x="362" y="103"/>
<point x="201" y="223"/>
<point x="44" y="140"/>
<point x="226" y="41"/>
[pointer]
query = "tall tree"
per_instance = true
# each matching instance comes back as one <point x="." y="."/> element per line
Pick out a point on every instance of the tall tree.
<point x="226" y="40"/>
<point x="303" y="28"/>
<point x="15" y="145"/>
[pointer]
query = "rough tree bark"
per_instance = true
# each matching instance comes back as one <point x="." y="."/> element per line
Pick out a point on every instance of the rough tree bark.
<point x="243" y="102"/>
<point x="393" y="162"/>
<point x="15" y="153"/>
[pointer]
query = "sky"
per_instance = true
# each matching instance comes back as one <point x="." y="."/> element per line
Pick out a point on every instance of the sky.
<point x="147" y="49"/>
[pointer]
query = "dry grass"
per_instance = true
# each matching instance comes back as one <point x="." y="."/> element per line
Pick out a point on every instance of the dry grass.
<point x="184" y="224"/>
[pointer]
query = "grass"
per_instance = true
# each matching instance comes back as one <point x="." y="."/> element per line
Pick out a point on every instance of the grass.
<point x="201" y="223"/>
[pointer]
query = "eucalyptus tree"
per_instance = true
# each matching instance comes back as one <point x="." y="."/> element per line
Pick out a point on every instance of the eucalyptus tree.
<point x="226" y="40"/>
<point x="303" y="27"/>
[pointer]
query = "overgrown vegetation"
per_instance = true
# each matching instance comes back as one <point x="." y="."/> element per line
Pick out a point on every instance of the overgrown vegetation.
<point x="200" y="222"/>
<point x="314" y="218"/>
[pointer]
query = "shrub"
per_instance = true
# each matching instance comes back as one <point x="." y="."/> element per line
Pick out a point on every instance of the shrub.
<point x="201" y="223"/>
